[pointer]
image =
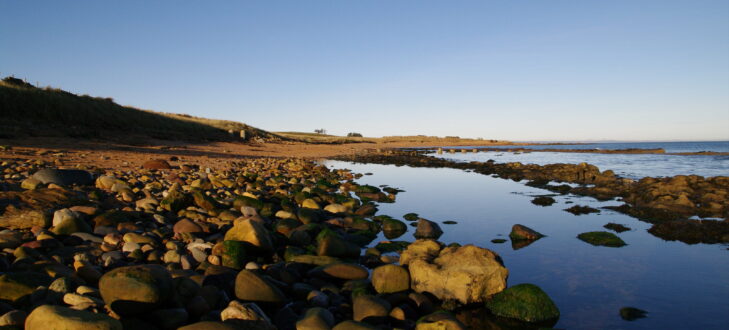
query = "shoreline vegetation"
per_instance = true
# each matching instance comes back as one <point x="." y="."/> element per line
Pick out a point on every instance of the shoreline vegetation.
<point x="658" y="151"/>
<point x="235" y="227"/>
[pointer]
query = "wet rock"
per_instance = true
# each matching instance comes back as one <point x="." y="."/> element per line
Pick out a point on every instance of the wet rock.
<point x="66" y="318"/>
<point x="250" y="286"/>
<point x="236" y="253"/>
<point x="64" y="177"/>
<point x="316" y="318"/>
<point x="335" y="208"/>
<point x="616" y="227"/>
<point x="134" y="290"/>
<point x="581" y="209"/>
<point x="521" y="232"/>
<point x="210" y="325"/>
<point x="601" y="238"/>
<point x="692" y="231"/>
<point x="393" y="228"/>
<point x="411" y="217"/>
<point x="427" y="229"/>
<point x="498" y="240"/>
<point x="467" y="274"/>
<point x="390" y="279"/>
<point x="543" y="201"/>
<point x="331" y="244"/>
<point x="248" y="312"/>
<point x="632" y="313"/>
<point x="524" y="302"/>
<point x="370" y="309"/>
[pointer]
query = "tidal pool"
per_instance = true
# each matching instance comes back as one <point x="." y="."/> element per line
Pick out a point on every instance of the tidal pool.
<point x="681" y="286"/>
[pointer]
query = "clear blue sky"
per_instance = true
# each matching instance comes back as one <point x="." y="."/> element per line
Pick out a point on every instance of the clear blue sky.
<point x="519" y="70"/>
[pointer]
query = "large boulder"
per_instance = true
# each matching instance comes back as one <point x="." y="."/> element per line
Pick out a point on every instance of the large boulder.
<point x="48" y="317"/>
<point x="426" y="249"/>
<point x="64" y="177"/>
<point x="524" y="302"/>
<point x="136" y="289"/>
<point x="247" y="230"/>
<point x="468" y="274"/>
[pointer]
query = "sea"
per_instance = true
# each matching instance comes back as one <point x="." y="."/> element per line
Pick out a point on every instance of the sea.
<point x="681" y="286"/>
<point x="633" y="166"/>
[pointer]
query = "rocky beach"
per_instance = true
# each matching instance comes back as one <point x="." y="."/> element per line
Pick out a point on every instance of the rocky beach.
<point x="235" y="242"/>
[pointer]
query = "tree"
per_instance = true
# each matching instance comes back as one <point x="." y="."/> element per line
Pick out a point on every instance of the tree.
<point x="353" y="134"/>
<point x="320" y="131"/>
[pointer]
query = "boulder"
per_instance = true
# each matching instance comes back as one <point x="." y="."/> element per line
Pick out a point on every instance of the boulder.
<point x="468" y="274"/>
<point x="426" y="249"/>
<point x="524" y="302"/>
<point x="64" y="177"/>
<point x="250" y="286"/>
<point x="17" y="285"/>
<point x="390" y="279"/>
<point x="135" y="290"/>
<point x="393" y="228"/>
<point x="370" y="309"/>
<point x="48" y="317"/>
<point x="247" y="230"/>
<point x="343" y="271"/>
<point x="521" y="232"/>
<point x="427" y="229"/>
<point x="316" y="318"/>
<point x="440" y="320"/>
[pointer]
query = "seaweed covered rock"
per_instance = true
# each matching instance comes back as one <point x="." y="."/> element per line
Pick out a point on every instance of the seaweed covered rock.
<point x="524" y="302"/>
<point x="601" y="238"/>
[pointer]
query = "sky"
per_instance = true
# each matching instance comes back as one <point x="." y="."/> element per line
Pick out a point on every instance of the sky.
<point x="513" y="70"/>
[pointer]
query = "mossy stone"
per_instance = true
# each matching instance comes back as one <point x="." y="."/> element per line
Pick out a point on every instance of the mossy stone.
<point x="524" y="302"/>
<point x="601" y="238"/>
<point x="393" y="228"/>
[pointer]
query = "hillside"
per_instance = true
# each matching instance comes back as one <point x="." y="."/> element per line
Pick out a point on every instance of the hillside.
<point x="27" y="110"/>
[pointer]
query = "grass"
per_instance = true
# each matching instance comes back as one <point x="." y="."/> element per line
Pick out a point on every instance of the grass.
<point x="333" y="139"/>
<point x="31" y="111"/>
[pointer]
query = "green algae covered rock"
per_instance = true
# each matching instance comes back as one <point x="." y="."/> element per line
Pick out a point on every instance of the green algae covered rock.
<point x="524" y="302"/>
<point x="601" y="238"/>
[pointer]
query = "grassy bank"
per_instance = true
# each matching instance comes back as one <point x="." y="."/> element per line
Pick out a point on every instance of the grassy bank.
<point x="31" y="111"/>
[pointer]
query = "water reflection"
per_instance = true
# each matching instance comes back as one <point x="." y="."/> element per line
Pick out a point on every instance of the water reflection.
<point x="681" y="286"/>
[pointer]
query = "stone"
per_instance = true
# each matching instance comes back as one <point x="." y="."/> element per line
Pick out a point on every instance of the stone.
<point x="316" y="318"/>
<point x="426" y="249"/>
<point x="134" y="290"/>
<point x="353" y="325"/>
<point x="343" y="271"/>
<point x="335" y="208"/>
<point x="30" y="184"/>
<point x="390" y="279"/>
<point x="310" y="204"/>
<point x="632" y="313"/>
<point x="210" y="325"/>
<point x="543" y="201"/>
<point x="440" y="320"/>
<point x="469" y="274"/>
<point x="393" y="228"/>
<point x="370" y="309"/>
<point x="520" y="232"/>
<point x="250" y="286"/>
<point x="168" y="318"/>
<point x="13" y="318"/>
<point x="186" y="226"/>
<point x="175" y="201"/>
<point x="601" y="238"/>
<point x="67" y="222"/>
<point x="236" y="253"/>
<point x="252" y="232"/>
<point x="17" y="285"/>
<point x="156" y="164"/>
<point x="64" y="177"/>
<point x="205" y="202"/>
<point x="331" y="244"/>
<point x="240" y="311"/>
<point x="47" y="317"/>
<point x="524" y="302"/>
<point x="427" y="229"/>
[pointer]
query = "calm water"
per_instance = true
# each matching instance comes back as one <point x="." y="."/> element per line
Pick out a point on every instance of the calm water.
<point x="681" y="286"/>
<point x="626" y="165"/>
